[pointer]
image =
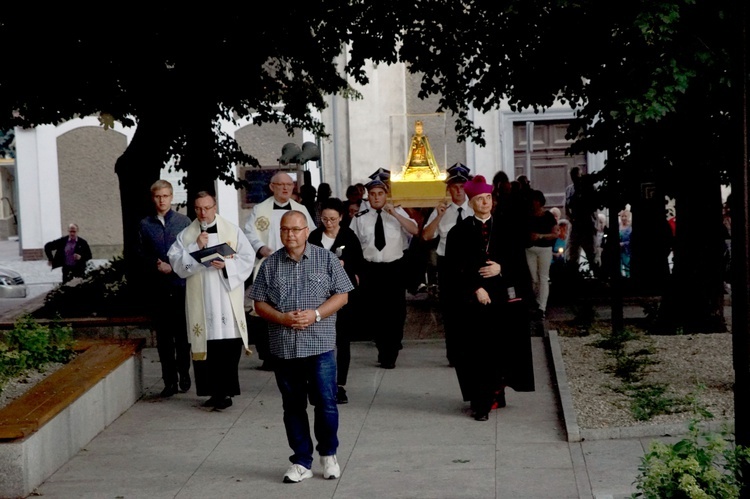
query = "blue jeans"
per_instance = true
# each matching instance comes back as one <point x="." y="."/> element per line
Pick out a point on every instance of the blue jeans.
<point x="314" y="378"/>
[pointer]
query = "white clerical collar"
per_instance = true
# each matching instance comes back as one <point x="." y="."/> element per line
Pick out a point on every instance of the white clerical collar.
<point x="483" y="220"/>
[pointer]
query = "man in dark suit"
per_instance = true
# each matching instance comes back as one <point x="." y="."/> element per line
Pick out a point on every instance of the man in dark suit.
<point x="165" y="290"/>
<point x="69" y="252"/>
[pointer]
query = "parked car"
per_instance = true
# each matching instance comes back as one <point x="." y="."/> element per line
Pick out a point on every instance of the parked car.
<point x="11" y="284"/>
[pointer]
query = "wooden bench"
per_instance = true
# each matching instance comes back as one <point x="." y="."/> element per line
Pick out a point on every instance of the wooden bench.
<point x="94" y="361"/>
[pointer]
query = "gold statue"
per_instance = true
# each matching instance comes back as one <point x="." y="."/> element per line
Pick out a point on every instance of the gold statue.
<point x="420" y="183"/>
<point x="420" y="157"/>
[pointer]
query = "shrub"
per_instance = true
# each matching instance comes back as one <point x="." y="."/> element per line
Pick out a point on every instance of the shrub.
<point x="103" y="292"/>
<point x="30" y="345"/>
<point x="702" y="465"/>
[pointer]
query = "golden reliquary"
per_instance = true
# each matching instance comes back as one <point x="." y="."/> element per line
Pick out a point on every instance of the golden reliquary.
<point x="420" y="182"/>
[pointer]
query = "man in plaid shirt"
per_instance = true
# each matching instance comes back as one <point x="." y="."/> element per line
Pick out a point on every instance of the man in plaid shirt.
<point x="298" y="290"/>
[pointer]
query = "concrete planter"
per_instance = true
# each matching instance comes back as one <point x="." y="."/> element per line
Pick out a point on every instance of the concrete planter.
<point x="49" y="424"/>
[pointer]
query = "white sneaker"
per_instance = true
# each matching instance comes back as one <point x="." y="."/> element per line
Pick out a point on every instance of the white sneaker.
<point x="331" y="468"/>
<point x="296" y="473"/>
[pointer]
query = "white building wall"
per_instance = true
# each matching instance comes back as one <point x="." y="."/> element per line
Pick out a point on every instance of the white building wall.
<point x="370" y="120"/>
<point x="38" y="182"/>
<point x="38" y="191"/>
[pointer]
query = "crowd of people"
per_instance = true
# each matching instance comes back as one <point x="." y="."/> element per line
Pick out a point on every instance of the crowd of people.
<point x="311" y="265"/>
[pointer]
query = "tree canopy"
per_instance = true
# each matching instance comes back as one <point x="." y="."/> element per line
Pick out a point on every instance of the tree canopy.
<point x="624" y="66"/>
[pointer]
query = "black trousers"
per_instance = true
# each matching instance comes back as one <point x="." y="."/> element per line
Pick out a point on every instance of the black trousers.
<point x="448" y="309"/>
<point x="218" y="375"/>
<point x="172" y="344"/>
<point x="383" y="306"/>
<point x="258" y="330"/>
<point x="346" y="324"/>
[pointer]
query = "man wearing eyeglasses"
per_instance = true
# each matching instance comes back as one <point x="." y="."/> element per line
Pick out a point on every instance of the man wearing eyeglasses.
<point x="164" y="290"/>
<point x="215" y="294"/>
<point x="262" y="230"/>
<point x="298" y="290"/>
<point x="70" y="252"/>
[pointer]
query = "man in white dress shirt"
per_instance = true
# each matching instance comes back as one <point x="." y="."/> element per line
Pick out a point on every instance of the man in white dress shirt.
<point x="384" y="232"/>
<point x="439" y="223"/>
<point x="217" y="328"/>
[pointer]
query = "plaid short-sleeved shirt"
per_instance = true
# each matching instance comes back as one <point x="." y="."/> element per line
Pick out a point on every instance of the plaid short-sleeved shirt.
<point x="288" y="285"/>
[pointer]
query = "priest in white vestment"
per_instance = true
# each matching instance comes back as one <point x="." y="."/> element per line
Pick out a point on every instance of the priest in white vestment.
<point x="217" y="327"/>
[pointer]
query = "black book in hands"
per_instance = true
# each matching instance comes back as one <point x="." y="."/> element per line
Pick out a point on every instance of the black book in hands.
<point x="210" y="253"/>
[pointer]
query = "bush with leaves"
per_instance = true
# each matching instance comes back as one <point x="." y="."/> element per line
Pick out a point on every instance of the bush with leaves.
<point x="702" y="465"/>
<point x="30" y="345"/>
<point x="103" y="292"/>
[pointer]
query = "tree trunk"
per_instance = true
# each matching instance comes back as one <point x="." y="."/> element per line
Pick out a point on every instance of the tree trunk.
<point x="137" y="168"/>
<point x="740" y="270"/>
<point x="694" y="299"/>
<point x="200" y="159"/>
<point x="650" y="242"/>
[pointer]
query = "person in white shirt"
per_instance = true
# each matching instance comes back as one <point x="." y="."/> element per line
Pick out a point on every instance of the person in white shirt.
<point x="442" y="219"/>
<point x="384" y="231"/>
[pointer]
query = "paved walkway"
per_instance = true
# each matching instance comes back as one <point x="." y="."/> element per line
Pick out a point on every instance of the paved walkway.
<point x="405" y="433"/>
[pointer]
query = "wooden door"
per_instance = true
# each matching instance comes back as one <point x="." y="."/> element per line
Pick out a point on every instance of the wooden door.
<point x="550" y="166"/>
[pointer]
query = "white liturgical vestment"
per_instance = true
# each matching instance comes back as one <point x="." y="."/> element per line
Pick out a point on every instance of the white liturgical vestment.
<point x="214" y="298"/>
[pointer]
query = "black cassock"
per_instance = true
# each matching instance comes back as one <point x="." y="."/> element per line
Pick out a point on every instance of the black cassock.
<point x="494" y="346"/>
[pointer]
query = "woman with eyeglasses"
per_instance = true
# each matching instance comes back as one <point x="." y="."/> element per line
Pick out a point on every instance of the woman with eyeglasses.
<point x="345" y="244"/>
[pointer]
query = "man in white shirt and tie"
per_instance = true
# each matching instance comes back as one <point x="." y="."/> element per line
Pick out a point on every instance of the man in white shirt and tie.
<point x="384" y="232"/>
<point x="441" y="220"/>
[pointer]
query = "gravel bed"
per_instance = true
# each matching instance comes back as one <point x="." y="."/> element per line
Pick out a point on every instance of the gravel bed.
<point x="682" y="363"/>
<point x="15" y="387"/>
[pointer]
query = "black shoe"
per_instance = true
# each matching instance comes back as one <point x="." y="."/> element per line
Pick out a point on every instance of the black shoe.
<point x="500" y="398"/>
<point x="223" y="403"/>
<point x="388" y="365"/>
<point x="341" y="397"/>
<point x="481" y="416"/>
<point x="185" y="384"/>
<point x="168" y="391"/>
<point x="211" y="402"/>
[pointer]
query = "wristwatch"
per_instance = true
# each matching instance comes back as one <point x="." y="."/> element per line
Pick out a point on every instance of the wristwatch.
<point x="317" y="316"/>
